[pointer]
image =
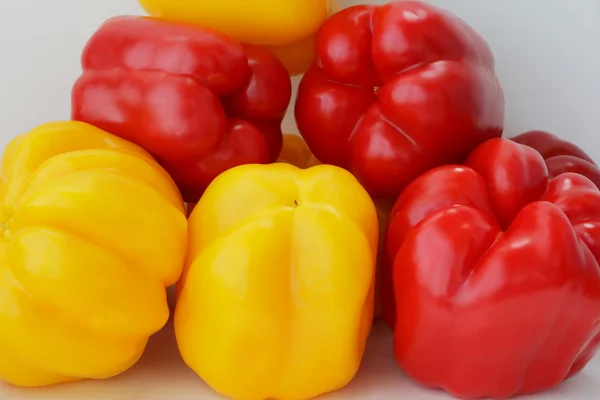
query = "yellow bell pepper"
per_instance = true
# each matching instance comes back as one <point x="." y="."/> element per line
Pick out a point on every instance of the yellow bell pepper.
<point x="276" y="300"/>
<point x="285" y="27"/>
<point x="296" y="152"/>
<point x="92" y="232"/>
<point x="297" y="57"/>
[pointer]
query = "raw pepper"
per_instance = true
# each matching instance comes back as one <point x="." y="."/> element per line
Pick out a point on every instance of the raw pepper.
<point x="276" y="300"/>
<point x="197" y="100"/>
<point x="296" y="152"/>
<point x="286" y="28"/>
<point x="93" y="231"/>
<point x="496" y="275"/>
<point x="297" y="57"/>
<point x="397" y="89"/>
<point x="560" y="155"/>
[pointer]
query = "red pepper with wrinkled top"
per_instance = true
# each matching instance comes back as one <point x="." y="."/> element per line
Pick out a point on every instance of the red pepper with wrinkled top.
<point x="560" y="155"/>
<point x="397" y="89"/>
<point x="199" y="101"/>
<point x="496" y="274"/>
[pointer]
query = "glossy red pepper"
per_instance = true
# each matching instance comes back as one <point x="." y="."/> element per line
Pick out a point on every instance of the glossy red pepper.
<point x="560" y="155"/>
<point x="397" y="89"/>
<point x="496" y="275"/>
<point x="197" y="100"/>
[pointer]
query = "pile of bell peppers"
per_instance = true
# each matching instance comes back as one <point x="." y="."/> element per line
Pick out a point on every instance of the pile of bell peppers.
<point x="399" y="196"/>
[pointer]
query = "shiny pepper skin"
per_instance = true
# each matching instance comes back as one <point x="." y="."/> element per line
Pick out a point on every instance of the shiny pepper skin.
<point x="296" y="152"/>
<point x="93" y="231"/>
<point x="276" y="300"/>
<point x="560" y="155"/>
<point x="197" y="100"/>
<point x="496" y="274"/>
<point x="397" y="89"/>
<point x="285" y="27"/>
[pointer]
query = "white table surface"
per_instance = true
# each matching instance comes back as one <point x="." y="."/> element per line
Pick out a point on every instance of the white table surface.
<point x="162" y="375"/>
<point x="547" y="61"/>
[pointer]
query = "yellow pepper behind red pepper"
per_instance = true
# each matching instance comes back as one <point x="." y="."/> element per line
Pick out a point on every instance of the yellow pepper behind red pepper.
<point x="92" y="232"/>
<point x="286" y="27"/>
<point x="296" y="152"/>
<point x="277" y="297"/>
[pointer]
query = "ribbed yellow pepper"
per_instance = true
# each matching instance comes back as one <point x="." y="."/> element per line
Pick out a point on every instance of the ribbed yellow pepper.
<point x="92" y="232"/>
<point x="296" y="152"/>
<point x="276" y="300"/>
<point x="287" y="27"/>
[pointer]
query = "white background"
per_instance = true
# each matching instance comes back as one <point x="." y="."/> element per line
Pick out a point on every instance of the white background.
<point x="547" y="54"/>
<point x="548" y="60"/>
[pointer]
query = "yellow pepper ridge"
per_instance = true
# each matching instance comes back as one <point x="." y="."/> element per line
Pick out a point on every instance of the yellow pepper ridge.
<point x="276" y="300"/>
<point x="93" y="231"/>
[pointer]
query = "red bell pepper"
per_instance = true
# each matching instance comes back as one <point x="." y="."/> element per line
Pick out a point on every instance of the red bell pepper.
<point x="397" y="89"/>
<point x="496" y="275"/>
<point x="197" y="100"/>
<point x="560" y="155"/>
